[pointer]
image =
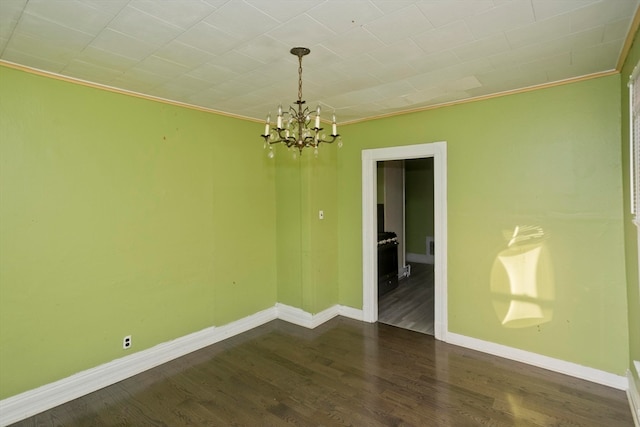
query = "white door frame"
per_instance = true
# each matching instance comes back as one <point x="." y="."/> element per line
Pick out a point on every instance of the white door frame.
<point x="437" y="150"/>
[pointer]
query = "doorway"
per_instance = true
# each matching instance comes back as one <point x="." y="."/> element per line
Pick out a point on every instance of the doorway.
<point x="405" y="214"/>
<point x="437" y="151"/>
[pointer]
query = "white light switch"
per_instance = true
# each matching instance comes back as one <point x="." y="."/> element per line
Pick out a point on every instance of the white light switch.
<point x="321" y="214"/>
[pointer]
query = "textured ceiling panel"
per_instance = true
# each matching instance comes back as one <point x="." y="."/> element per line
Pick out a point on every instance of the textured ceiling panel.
<point x="368" y="57"/>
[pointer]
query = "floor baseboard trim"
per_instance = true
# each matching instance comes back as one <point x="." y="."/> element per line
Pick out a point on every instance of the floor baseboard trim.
<point x="299" y="317"/>
<point x="568" y="368"/>
<point x="633" y="394"/>
<point x="35" y="401"/>
<point x="32" y="402"/>
<point x="419" y="258"/>
<point x="350" y="312"/>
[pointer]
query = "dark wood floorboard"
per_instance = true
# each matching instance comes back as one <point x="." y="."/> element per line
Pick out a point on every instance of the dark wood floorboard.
<point x="410" y="305"/>
<point x="344" y="372"/>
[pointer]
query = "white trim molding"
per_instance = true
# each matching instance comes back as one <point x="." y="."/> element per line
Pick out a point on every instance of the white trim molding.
<point x="299" y="317"/>
<point x="438" y="151"/>
<point x="35" y="401"/>
<point x="568" y="368"/>
<point x="633" y="394"/>
<point x="351" y="313"/>
<point x="418" y="258"/>
<point x="32" y="402"/>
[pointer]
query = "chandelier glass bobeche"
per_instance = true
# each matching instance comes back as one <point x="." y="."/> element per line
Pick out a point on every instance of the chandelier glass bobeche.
<point x="293" y="128"/>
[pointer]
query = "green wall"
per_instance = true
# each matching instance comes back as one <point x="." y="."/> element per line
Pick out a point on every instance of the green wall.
<point x="126" y="216"/>
<point x="548" y="159"/>
<point x="418" y="204"/>
<point x="306" y="245"/>
<point x="122" y="216"/>
<point x="631" y="242"/>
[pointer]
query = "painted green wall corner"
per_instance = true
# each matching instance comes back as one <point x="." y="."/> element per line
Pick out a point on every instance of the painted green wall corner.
<point x="122" y="216"/>
<point x="418" y="204"/>
<point x="547" y="162"/>
<point x="307" y="249"/>
<point x="631" y="240"/>
<point x="125" y="216"/>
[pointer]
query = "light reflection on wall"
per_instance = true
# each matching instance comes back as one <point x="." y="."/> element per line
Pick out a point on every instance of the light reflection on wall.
<point x="522" y="280"/>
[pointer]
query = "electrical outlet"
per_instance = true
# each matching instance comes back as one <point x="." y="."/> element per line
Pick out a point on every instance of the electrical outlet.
<point x="126" y="342"/>
<point x="320" y="214"/>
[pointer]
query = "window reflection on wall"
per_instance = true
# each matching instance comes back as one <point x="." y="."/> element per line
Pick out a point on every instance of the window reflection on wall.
<point x="522" y="280"/>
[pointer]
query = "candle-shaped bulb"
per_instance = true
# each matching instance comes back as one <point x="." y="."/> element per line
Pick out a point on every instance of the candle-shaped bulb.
<point x="267" y="123"/>
<point x="334" y="125"/>
<point x="317" y="118"/>
<point x="279" y="119"/>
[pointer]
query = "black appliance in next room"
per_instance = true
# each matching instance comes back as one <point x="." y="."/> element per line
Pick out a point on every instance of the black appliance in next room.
<point x="387" y="262"/>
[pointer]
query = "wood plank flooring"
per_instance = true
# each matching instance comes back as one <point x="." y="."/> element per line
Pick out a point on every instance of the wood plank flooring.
<point x="410" y="305"/>
<point x="344" y="372"/>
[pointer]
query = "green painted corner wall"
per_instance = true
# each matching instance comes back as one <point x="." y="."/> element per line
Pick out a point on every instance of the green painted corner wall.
<point x="631" y="237"/>
<point x="126" y="216"/>
<point x="307" y="245"/>
<point x="419" y="215"/>
<point x="122" y="216"/>
<point x="547" y="159"/>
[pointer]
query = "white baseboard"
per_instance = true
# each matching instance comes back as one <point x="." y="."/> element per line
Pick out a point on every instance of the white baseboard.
<point x="299" y="317"/>
<point x="633" y="393"/>
<point x="419" y="258"/>
<point x="32" y="402"/>
<point x="350" y="312"/>
<point x="568" y="368"/>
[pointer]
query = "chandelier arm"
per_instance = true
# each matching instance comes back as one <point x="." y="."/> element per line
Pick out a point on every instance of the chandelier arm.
<point x="330" y="141"/>
<point x="288" y="140"/>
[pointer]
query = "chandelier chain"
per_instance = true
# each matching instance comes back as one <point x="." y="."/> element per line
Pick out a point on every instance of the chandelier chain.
<point x="299" y="78"/>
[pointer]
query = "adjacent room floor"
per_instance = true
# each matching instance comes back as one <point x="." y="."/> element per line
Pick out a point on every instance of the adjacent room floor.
<point x="410" y="305"/>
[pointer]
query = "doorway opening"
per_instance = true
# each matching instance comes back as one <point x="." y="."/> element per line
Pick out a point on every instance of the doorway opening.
<point x="437" y="151"/>
<point x="405" y="244"/>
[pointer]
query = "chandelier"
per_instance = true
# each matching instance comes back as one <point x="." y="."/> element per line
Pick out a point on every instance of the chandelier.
<point x="293" y="128"/>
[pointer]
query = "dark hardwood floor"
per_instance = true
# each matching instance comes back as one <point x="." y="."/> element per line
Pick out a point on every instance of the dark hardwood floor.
<point x="410" y="305"/>
<point x="344" y="372"/>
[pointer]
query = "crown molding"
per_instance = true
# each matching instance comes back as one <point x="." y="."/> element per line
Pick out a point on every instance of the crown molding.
<point x="633" y="29"/>
<point x="489" y="96"/>
<point x="108" y="88"/>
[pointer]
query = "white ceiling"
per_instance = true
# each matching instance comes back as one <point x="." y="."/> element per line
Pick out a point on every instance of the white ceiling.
<point x="368" y="57"/>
